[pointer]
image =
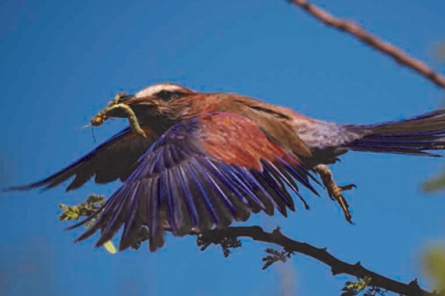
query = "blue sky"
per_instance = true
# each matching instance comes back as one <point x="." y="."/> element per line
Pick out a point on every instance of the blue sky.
<point x="62" y="61"/>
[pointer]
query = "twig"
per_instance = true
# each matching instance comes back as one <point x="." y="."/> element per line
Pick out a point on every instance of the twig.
<point x="386" y="48"/>
<point x="320" y="254"/>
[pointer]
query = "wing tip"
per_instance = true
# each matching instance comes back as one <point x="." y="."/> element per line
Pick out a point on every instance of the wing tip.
<point x="22" y="187"/>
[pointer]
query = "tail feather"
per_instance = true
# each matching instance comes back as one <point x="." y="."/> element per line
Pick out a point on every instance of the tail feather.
<point x="414" y="136"/>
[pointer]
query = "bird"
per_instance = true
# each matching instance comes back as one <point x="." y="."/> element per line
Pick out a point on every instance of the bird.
<point x="190" y="161"/>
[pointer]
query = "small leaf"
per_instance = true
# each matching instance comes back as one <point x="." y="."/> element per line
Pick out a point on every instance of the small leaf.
<point x="434" y="265"/>
<point x="434" y="184"/>
<point x="109" y="246"/>
<point x="440" y="52"/>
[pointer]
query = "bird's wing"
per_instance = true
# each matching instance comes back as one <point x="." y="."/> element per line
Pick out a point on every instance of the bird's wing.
<point x="205" y="171"/>
<point x="116" y="158"/>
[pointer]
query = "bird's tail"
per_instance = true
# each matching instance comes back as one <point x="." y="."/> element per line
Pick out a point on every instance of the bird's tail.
<point x="415" y="136"/>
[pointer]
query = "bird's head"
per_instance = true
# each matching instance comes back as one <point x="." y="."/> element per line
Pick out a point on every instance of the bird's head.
<point x="158" y="100"/>
<point x="162" y="92"/>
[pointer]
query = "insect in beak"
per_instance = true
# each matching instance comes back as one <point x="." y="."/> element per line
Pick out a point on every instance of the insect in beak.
<point x="115" y="104"/>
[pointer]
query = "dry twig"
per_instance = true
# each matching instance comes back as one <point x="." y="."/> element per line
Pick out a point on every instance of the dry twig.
<point x="384" y="47"/>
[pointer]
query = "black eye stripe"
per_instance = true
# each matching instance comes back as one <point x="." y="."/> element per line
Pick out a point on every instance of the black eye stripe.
<point x="169" y="95"/>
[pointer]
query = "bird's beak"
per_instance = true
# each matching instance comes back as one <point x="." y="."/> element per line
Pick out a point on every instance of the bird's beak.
<point x="125" y="98"/>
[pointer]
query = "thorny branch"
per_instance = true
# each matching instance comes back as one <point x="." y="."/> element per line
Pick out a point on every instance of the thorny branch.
<point x="337" y="266"/>
<point x="229" y="239"/>
<point x="384" y="47"/>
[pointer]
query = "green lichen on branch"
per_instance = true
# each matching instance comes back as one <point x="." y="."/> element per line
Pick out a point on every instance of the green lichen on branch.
<point x="85" y="209"/>
<point x="435" y="183"/>
<point x="362" y="287"/>
<point x="88" y="208"/>
<point x="434" y="267"/>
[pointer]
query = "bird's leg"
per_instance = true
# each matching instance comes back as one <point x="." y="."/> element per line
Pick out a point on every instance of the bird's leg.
<point x="102" y="116"/>
<point x="334" y="191"/>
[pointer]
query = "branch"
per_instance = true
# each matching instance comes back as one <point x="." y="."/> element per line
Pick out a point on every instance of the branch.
<point x="386" y="48"/>
<point x="320" y="254"/>
<point x="228" y="239"/>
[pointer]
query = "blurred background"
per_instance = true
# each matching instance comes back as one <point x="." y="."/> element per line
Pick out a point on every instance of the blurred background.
<point x="62" y="61"/>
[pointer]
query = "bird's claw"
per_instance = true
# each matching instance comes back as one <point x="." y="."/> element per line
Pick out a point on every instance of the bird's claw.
<point x="347" y="187"/>
<point x="335" y="191"/>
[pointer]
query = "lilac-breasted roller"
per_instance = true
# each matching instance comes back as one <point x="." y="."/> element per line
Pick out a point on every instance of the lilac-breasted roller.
<point x="193" y="161"/>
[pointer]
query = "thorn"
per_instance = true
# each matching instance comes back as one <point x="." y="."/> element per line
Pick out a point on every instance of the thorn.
<point x="414" y="283"/>
<point x="277" y="232"/>
<point x="347" y="187"/>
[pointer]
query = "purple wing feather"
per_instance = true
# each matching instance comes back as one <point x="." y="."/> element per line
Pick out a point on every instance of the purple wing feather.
<point x="186" y="183"/>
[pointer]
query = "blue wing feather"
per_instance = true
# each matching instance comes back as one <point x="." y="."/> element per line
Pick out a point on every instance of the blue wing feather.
<point x="179" y="185"/>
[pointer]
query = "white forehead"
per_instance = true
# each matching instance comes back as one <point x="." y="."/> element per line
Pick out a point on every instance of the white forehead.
<point x="153" y="89"/>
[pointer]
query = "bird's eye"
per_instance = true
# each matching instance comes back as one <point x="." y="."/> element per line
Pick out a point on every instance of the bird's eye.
<point x="166" y="95"/>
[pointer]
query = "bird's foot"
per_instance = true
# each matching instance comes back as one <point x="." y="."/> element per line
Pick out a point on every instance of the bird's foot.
<point x="335" y="191"/>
